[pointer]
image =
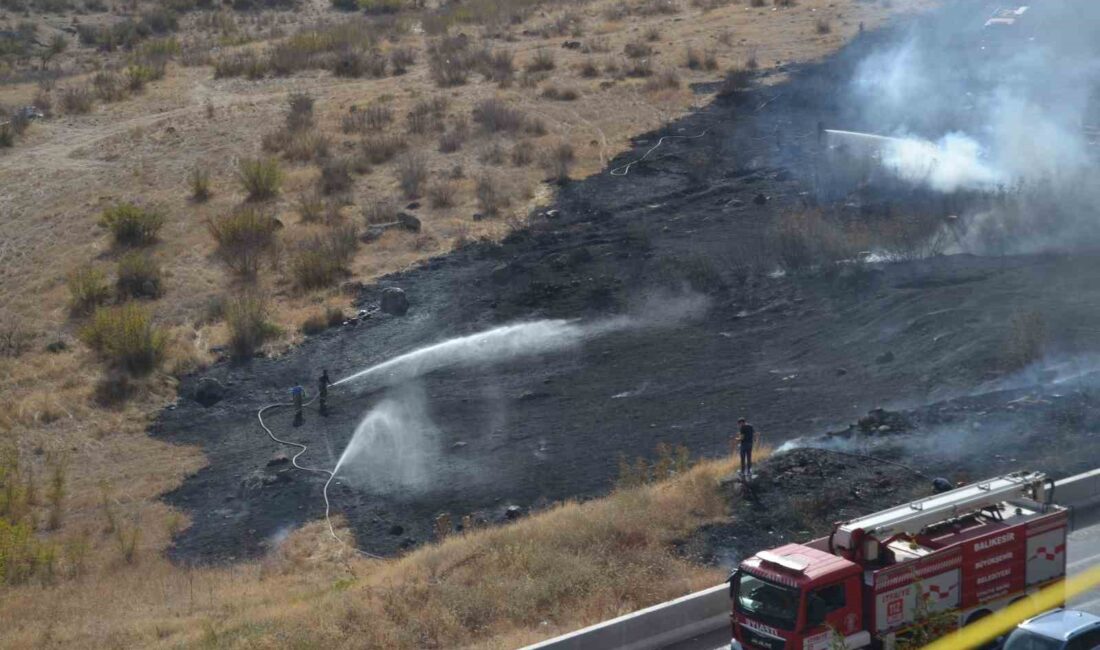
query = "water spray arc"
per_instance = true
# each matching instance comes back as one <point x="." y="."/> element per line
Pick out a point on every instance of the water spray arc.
<point x="494" y="345"/>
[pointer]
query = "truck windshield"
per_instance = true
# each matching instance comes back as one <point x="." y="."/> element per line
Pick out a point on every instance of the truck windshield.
<point x="766" y="601"/>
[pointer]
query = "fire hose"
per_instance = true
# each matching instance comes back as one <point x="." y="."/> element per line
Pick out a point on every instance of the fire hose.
<point x="623" y="170"/>
<point x="316" y="470"/>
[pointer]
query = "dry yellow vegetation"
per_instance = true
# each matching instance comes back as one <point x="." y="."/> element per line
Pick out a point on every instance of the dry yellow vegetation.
<point x="110" y="586"/>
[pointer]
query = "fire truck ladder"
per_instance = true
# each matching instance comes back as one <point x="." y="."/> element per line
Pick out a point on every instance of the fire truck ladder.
<point x="915" y="516"/>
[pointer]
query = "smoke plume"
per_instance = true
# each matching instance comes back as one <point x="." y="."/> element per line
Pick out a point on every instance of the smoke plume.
<point x="1007" y="109"/>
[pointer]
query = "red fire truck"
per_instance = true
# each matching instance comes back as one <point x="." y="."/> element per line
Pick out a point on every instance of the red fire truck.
<point x="956" y="556"/>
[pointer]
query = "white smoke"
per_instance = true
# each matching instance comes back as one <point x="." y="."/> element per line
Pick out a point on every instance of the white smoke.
<point x="980" y="109"/>
<point x="956" y="162"/>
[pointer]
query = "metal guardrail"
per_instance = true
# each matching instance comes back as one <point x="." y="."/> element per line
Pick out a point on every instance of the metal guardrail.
<point x="708" y="610"/>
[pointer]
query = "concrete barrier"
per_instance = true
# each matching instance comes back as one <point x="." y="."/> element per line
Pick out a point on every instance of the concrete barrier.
<point x="654" y="627"/>
<point x="1082" y="489"/>
<point x="1081" y="494"/>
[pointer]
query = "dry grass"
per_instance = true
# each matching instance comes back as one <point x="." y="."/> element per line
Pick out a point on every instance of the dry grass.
<point x="559" y="570"/>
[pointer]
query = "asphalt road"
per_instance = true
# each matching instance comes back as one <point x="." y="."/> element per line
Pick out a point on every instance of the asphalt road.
<point x="1084" y="552"/>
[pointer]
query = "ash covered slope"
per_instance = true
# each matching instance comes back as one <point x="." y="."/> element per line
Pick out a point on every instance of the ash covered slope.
<point x="798" y="355"/>
<point x="799" y="493"/>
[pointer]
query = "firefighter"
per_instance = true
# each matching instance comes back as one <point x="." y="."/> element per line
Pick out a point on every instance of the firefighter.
<point x="746" y="436"/>
<point x="298" y="395"/>
<point x="322" y="392"/>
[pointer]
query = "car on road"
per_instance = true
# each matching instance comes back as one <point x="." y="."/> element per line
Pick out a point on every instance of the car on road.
<point x="1059" y="629"/>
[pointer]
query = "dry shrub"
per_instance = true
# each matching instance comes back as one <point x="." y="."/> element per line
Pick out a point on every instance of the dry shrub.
<point x="638" y="50"/>
<point x="695" y="59"/>
<point x="442" y="194"/>
<point x="450" y="60"/>
<point x="380" y="211"/>
<point x="240" y="64"/>
<point x="736" y="81"/>
<point x="452" y="140"/>
<point x="320" y="260"/>
<point x="87" y="289"/>
<point x="823" y="26"/>
<point x="499" y="67"/>
<point x="15" y="338"/>
<point x="307" y="145"/>
<point x="636" y="67"/>
<point x="589" y="70"/>
<point x="491" y="196"/>
<point x="311" y="205"/>
<point x="132" y="225"/>
<point x="200" y="184"/>
<point x="76" y="100"/>
<point x="299" y="113"/>
<point x="243" y="238"/>
<point x="494" y="116"/>
<point x="372" y="118"/>
<point x="427" y="116"/>
<point x="552" y="91"/>
<point x="336" y="176"/>
<point x="260" y="178"/>
<point x="558" y="160"/>
<point x="492" y="154"/>
<point x="401" y="59"/>
<point x="138" y="276"/>
<point x="125" y="337"/>
<point x="248" y="317"/>
<point x="411" y="172"/>
<point x="379" y="149"/>
<point x="523" y="152"/>
<point x="542" y="61"/>
<point x="315" y="323"/>
<point x="802" y="241"/>
<point x="109" y="86"/>
<point x="669" y="79"/>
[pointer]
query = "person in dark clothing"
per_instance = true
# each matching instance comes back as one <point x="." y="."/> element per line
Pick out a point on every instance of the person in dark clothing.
<point x="746" y="436"/>
<point x="322" y="392"/>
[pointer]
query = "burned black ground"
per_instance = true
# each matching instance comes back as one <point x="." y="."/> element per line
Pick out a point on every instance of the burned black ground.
<point x="799" y="355"/>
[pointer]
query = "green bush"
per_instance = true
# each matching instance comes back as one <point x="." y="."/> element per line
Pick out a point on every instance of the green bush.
<point x="243" y="238"/>
<point x="261" y="178"/>
<point x="132" y="225"/>
<point x="126" y="337"/>
<point x="247" y="316"/>
<point x="138" y="276"/>
<point x="87" y="289"/>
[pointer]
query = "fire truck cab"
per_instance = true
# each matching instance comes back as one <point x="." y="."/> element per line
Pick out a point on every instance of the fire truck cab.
<point x="956" y="557"/>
